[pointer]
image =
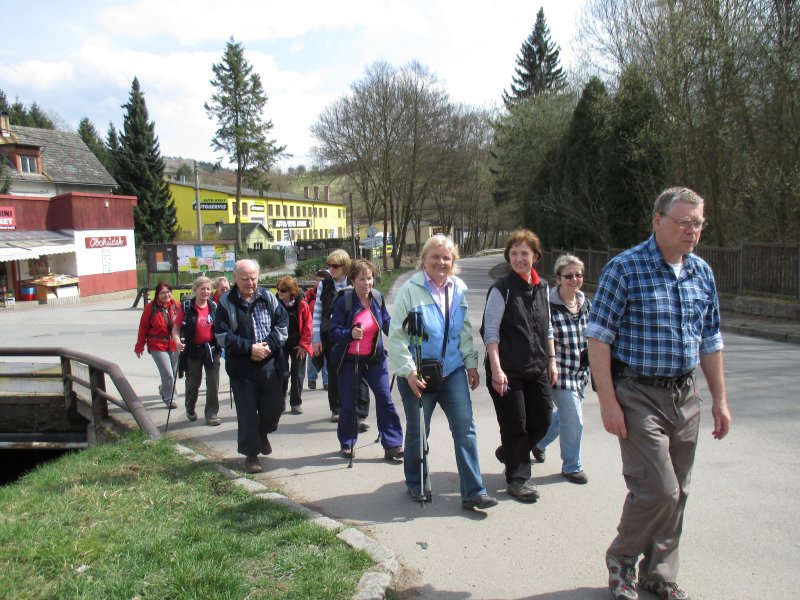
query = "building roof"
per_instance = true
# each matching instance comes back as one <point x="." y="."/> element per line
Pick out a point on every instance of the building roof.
<point x="253" y="194"/>
<point x="227" y="231"/>
<point x="65" y="158"/>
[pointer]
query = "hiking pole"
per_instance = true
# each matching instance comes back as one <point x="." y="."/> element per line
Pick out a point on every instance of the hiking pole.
<point x="355" y="402"/>
<point x="417" y="328"/>
<point x="174" y="384"/>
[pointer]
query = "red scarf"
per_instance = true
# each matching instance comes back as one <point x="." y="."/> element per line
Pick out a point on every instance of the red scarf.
<point x="534" y="277"/>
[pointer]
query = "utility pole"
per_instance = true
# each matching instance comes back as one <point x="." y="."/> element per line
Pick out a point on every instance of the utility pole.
<point x="197" y="202"/>
<point x="352" y="228"/>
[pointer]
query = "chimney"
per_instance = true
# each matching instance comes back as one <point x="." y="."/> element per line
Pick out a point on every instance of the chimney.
<point x="316" y="192"/>
<point x="305" y="191"/>
<point x="5" y="126"/>
<point x="326" y="193"/>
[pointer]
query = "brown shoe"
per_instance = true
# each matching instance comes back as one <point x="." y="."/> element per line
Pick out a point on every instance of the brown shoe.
<point x="252" y="465"/>
<point x="362" y="424"/>
<point x="266" y="447"/>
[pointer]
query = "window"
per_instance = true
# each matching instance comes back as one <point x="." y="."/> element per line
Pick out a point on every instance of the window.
<point x="28" y="164"/>
<point x="269" y="210"/>
<point x="304" y="211"/>
<point x="258" y="246"/>
<point x="285" y="211"/>
<point x="325" y="214"/>
<point x="277" y="235"/>
<point x="291" y="211"/>
<point x="244" y="208"/>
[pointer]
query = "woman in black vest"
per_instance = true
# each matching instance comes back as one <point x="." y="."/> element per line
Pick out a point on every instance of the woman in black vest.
<point x="520" y="360"/>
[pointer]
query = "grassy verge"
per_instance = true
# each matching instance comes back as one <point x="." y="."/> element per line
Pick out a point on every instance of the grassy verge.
<point x="135" y="520"/>
<point x="388" y="278"/>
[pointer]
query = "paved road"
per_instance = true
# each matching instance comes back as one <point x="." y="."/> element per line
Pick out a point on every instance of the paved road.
<point x="742" y="534"/>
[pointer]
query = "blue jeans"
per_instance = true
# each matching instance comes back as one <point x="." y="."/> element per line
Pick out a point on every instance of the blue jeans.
<point x="568" y="423"/>
<point x="312" y="371"/>
<point x="456" y="403"/>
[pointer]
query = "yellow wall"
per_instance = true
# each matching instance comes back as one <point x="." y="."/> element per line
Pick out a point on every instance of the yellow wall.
<point x="306" y="218"/>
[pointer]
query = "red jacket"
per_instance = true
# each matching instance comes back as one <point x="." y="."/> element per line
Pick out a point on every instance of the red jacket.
<point x="154" y="329"/>
<point x="304" y="320"/>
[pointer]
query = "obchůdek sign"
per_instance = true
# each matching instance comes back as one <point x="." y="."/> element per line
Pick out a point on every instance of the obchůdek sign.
<point x="106" y="242"/>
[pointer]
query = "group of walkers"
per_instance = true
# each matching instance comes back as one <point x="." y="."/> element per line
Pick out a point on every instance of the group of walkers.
<point x="654" y="318"/>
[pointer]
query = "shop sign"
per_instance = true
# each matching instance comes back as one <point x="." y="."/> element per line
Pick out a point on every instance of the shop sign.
<point x="8" y="219"/>
<point x="257" y="208"/>
<point x="211" y="205"/>
<point x="284" y="223"/>
<point x="114" y="241"/>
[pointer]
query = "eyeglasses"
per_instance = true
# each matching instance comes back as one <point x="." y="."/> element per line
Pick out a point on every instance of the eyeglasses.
<point x="685" y="224"/>
<point x="330" y="266"/>
<point x="282" y="290"/>
<point x="164" y="292"/>
<point x="572" y="276"/>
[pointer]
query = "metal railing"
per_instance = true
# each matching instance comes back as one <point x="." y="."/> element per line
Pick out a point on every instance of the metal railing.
<point x="94" y="383"/>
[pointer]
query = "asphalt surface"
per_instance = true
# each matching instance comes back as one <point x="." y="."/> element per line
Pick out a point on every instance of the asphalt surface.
<point x="741" y="537"/>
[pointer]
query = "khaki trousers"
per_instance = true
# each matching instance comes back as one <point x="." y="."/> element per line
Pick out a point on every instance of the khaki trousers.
<point x="657" y="460"/>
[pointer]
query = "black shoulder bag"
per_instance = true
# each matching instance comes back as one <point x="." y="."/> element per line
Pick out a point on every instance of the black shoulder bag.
<point x="431" y="369"/>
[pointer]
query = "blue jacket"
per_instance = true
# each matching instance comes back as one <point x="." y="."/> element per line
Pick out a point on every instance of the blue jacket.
<point x="460" y="352"/>
<point x="342" y="324"/>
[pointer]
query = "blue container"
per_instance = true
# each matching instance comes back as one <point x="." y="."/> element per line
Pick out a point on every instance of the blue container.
<point x="27" y="293"/>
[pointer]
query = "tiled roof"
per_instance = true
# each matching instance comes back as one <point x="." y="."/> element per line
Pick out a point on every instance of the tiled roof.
<point x="65" y="158"/>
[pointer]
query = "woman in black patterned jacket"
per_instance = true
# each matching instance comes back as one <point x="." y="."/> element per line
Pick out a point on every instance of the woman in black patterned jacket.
<point x="569" y="313"/>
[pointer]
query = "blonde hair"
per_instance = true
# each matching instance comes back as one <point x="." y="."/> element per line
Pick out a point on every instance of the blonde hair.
<point x="199" y="281"/>
<point x="434" y="242"/>
<point x="340" y="257"/>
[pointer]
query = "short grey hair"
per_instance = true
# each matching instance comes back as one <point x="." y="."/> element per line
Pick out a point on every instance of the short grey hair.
<point x="669" y="197"/>
<point x="245" y="262"/>
<point x="567" y="260"/>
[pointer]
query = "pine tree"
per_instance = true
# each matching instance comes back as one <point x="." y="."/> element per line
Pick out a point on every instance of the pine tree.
<point x="112" y="150"/>
<point x="140" y="172"/>
<point x="92" y="139"/>
<point x="538" y="69"/>
<point x="238" y="105"/>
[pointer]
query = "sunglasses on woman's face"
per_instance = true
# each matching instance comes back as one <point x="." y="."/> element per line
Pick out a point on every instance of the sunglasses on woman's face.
<point x="330" y="266"/>
<point x="573" y="276"/>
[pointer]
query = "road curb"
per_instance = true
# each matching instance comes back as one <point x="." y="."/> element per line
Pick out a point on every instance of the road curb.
<point x="374" y="583"/>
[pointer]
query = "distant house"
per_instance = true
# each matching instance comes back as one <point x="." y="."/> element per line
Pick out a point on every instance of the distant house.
<point x="61" y="229"/>
<point x="254" y="235"/>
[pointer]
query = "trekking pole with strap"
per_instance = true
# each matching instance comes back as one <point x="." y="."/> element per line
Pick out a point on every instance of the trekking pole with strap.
<point x="172" y="394"/>
<point x="355" y="403"/>
<point x="417" y="329"/>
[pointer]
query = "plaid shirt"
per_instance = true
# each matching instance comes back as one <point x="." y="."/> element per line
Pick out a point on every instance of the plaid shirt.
<point x="656" y="324"/>
<point x="570" y="341"/>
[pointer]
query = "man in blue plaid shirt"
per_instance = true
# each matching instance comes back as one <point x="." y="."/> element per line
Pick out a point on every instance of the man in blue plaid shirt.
<point x="654" y="318"/>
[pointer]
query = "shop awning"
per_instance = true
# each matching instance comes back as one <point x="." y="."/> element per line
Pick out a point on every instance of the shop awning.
<point x="24" y="245"/>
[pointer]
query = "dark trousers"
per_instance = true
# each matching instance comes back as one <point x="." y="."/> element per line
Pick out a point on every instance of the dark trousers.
<point x="333" y="390"/>
<point x="259" y="405"/>
<point x="657" y="460"/>
<point x="194" y="377"/>
<point x="297" y="374"/>
<point x="524" y="415"/>
<point x="377" y="377"/>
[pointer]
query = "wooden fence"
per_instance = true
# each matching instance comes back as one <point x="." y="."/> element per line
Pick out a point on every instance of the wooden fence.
<point x="749" y="270"/>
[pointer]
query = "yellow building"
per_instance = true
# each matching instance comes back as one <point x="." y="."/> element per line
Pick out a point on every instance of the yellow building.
<point x="286" y="217"/>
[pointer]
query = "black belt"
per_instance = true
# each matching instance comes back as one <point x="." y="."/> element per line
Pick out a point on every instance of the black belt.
<point x="622" y="371"/>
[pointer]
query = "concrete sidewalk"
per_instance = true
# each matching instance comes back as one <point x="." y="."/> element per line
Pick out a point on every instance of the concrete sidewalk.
<point x="739" y="540"/>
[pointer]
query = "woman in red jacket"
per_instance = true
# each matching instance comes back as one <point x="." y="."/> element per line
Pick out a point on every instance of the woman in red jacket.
<point x="298" y="344"/>
<point x="155" y="330"/>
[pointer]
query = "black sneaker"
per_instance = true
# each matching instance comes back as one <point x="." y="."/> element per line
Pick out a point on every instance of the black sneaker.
<point x="539" y="455"/>
<point x="312" y="385"/>
<point x="499" y="455"/>
<point x="482" y="502"/>
<point x="334" y="417"/>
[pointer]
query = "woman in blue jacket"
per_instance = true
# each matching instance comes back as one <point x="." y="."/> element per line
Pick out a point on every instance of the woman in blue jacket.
<point x="359" y="316"/>
<point x="441" y="299"/>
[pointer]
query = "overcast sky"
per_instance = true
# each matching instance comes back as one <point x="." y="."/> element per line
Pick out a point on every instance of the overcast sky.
<point x="77" y="59"/>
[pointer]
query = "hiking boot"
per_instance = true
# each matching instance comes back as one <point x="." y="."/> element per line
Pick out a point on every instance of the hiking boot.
<point x="334" y="417"/>
<point x="523" y="490"/>
<point x="252" y="465"/>
<point x="393" y="453"/>
<point x="500" y="455"/>
<point x="621" y="578"/>
<point x="297" y="410"/>
<point x="362" y="424"/>
<point x="266" y="447"/>
<point x="666" y="590"/>
<point x="578" y="477"/>
<point x="171" y="405"/>
<point x="324" y="386"/>
<point x="191" y="415"/>
<point x="418" y="495"/>
<point x="312" y="385"/>
<point x="213" y="421"/>
<point x="539" y="455"/>
<point x="482" y="501"/>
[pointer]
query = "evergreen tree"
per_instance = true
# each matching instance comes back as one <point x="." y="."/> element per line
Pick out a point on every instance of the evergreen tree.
<point x="19" y="114"/>
<point x="242" y="135"/>
<point x="140" y="173"/>
<point x="112" y="150"/>
<point x="538" y="69"/>
<point x="635" y="161"/>
<point x="92" y="139"/>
